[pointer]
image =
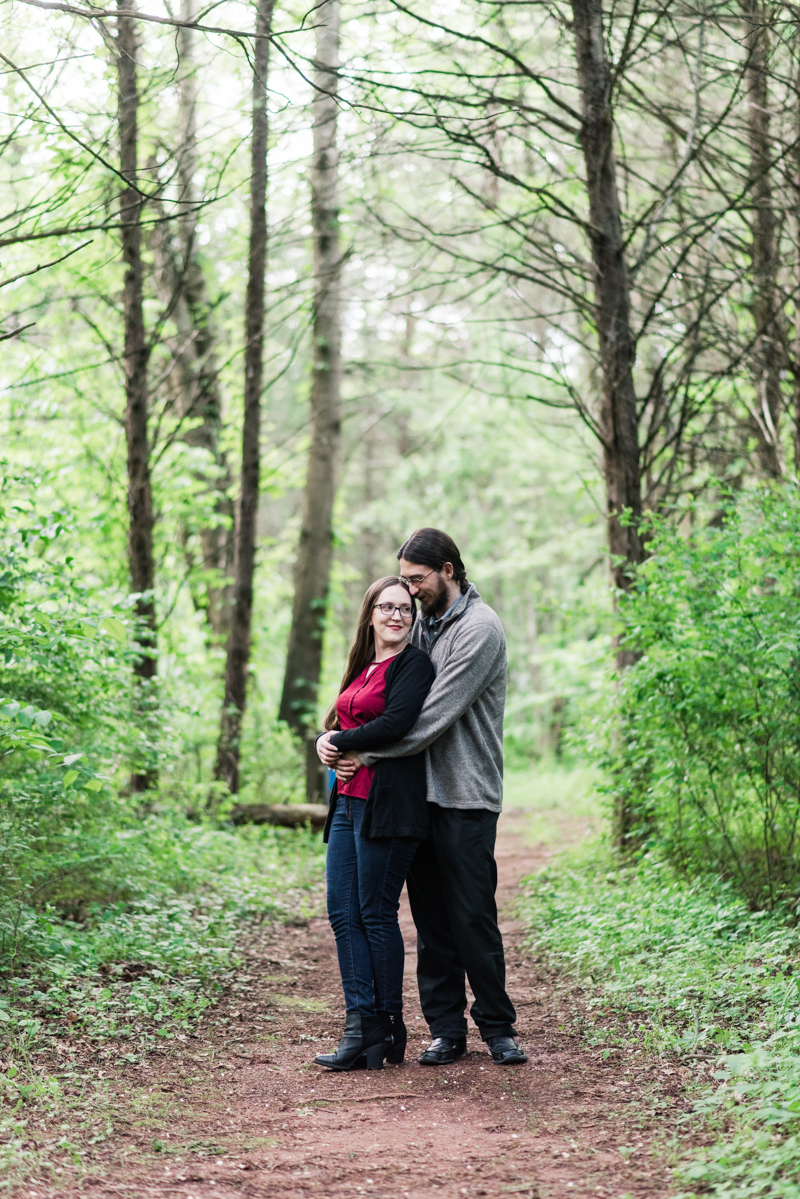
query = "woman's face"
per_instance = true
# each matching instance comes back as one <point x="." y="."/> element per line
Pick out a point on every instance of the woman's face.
<point x="392" y="628"/>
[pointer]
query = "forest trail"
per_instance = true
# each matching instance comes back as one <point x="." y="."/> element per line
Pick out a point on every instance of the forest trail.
<point x="242" y="1111"/>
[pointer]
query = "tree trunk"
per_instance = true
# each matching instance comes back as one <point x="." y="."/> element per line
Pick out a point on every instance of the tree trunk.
<point x="618" y="414"/>
<point x="299" y="700"/>
<point x="140" y="499"/>
<point x="619" y="425"/>
<point x="202" y="395"/>
<point x="796" y="345"/>
<point x="766" y="350"/>
<point x="229" y="744"/>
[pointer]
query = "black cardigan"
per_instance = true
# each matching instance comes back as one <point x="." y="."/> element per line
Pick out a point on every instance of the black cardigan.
<point x="397" y="804"/>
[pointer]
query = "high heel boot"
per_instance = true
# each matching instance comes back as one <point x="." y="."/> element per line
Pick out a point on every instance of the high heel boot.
<point x="394" y="1031"/>
<point x="363" y="1044"/>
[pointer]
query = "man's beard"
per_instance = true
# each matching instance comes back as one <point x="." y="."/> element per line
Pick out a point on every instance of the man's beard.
<point x="431" y="606"/>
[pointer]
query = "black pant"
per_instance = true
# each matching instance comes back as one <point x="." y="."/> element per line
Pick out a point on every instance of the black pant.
<point x="451" y="886"/>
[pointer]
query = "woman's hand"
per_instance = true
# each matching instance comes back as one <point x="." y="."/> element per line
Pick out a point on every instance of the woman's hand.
<point x="328" y="754"/>
<point x="346" y="767"/>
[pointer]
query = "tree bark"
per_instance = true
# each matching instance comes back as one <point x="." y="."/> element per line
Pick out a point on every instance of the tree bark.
<point x="312" y="571"/>
<point x="796" y="346"/>
<point x="619" y="423"/>
<point x="767" y="347"/>
<point x="229" y="744"/>
<point x="135" y="359"/>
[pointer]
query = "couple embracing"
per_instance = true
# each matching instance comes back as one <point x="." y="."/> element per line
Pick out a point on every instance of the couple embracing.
<point x="416" y="739"/>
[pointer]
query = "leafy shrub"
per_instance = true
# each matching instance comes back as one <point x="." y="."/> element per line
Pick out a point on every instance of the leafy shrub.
<point x="89" y="877"/>
<point x="708" y="756"/>
<point x="67" y="727"/>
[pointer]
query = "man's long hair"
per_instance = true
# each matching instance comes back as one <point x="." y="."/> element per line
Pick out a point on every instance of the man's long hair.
<point x="362" y="651"/>
<point x="432" y="547"/>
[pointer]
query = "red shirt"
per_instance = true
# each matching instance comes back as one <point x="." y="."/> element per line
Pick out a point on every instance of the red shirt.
<point x="362" y="701"/>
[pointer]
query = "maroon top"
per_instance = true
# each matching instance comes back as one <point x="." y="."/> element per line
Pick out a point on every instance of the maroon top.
<point x="362" y="701"/>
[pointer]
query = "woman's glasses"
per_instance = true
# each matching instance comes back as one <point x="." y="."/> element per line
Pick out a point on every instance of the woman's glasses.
<point x="405" y="610"/>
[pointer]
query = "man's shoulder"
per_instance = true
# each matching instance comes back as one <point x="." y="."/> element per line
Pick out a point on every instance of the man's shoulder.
<point x="479" y="616"/>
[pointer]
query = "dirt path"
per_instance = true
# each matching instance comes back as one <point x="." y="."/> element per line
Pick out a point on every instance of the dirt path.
<point x="241" y="1110"/>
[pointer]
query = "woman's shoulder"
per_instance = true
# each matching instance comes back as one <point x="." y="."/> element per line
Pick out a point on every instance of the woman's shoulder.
<point x="411" y="652"/>
<point x="414" y="660"/>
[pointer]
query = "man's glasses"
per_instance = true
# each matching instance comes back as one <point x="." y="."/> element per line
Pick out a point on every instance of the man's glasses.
<point x="405" y="610"/>
<point x="417" y="580"/>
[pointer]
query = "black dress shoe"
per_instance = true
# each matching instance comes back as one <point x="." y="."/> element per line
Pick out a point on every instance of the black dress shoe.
<point x="362" y="1045"/>
<point x="443" y="1050"/>
<point x="505" y="1051"/>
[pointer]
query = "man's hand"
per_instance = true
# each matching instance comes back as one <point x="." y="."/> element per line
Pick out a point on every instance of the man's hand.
<point x="328" y="754"/>
<point x="346" y="767"/>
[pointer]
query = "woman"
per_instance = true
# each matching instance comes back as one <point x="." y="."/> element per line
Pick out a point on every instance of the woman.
<point x="375" y="823"/>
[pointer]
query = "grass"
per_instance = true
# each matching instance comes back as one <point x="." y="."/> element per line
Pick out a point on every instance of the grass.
<point x="684" y="970"/>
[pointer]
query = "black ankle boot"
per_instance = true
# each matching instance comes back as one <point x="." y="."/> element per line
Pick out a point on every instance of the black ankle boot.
<point x="394" y="1030"/>
<point x="361" y="1045"/>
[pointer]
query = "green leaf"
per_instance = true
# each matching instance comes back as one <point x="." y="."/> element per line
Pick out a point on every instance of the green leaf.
<point x="88" y="630"/>
<point x="25" y="717"/>
<point x="115" y="628"/>
<point x="93" y="785"/>
<point x="41" y="619"/>
<point x="4" y="1015"/>
<point x="70" y="777"/>
<point x="43" y="718"/>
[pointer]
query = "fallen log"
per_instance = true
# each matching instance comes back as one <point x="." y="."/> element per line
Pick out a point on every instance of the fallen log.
<point x="287" y="815"/>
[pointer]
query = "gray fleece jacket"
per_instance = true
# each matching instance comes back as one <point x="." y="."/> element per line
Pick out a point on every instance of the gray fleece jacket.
<point x="461" y="724"/>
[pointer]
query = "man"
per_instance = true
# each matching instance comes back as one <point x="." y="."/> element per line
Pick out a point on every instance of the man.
<point x="452" y="881"/>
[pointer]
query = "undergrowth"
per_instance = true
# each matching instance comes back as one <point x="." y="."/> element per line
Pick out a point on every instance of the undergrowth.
<point x="126" y="977"/>
<point x="135" y="971"/>
<point x="686" y="969"/>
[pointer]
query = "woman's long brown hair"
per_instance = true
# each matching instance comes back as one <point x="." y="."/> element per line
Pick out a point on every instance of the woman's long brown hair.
<point x="362" y="651"/>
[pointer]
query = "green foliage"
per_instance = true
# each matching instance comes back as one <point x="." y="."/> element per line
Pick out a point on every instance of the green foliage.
<point x="118" y="917"/>
<point x="66" y="720"/>
<point x="512" y="489"/>
<point x="687" y="970"/>
<point x="132" y="975"/>
<point x="758" y="1101"/>
<point x="697" y="966"/>
<point x="708" y="757"/>
<point x="148" y="967"/>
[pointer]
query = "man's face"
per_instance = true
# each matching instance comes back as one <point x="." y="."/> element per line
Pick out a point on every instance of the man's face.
<point x="428" y="586"/>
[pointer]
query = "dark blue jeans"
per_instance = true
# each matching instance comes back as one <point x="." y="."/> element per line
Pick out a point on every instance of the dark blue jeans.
<point x="365" y="879"/>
